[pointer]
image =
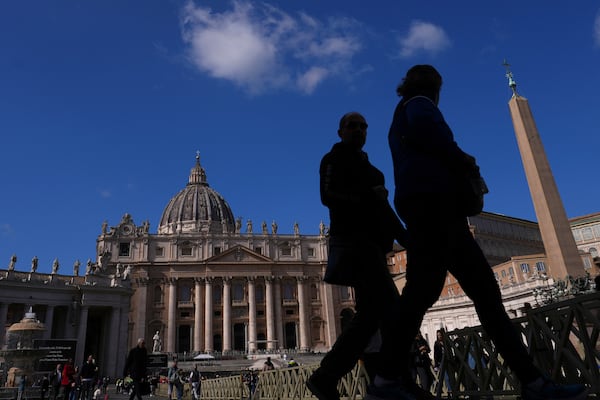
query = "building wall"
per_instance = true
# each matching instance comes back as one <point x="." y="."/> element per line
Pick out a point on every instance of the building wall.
<point x="226" y="292"/>
<point x="586" y="231"/>
<point x="90" y="309"/>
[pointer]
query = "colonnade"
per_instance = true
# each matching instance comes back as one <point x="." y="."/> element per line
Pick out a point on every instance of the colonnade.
<point x="271" y="318"/>
<point x="74" y="325"/>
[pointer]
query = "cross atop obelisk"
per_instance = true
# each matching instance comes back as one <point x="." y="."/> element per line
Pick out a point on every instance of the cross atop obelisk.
<point x="561" y="251"/>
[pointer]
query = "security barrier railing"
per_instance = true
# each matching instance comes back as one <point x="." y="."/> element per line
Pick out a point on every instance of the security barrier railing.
<point x="563" y="339"/>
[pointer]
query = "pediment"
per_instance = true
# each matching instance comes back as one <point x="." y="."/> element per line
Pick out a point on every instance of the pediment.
<point x="239" y="254"/>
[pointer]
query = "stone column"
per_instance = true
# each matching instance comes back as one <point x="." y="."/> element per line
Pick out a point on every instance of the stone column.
<point x="113" y="342"/>
<point x="171" y="320"/>
<point x="251" y="315"/>
<point x="198" y="315"/>
<point x="270" y="314"/>
<point x="123" y="331"/>
<point x="47" y="322"/>
<point x="302" y="313"/>
<point x="3" y="316"/>
<point x="278" y="313"/>
<point x="142" y="300"/>
<point x="208" y="316"/>
<point x="226" y="314"/>
<point x="81" y="335"/>
<point x="329" y="315"/>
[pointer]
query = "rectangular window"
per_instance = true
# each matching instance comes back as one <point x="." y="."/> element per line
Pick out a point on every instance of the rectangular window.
<point x="310" y="251"/>
<point x="289" y="312"/>
<point x="123" y="249"/>
<point x="288" y="291"/>
<point x="185" y="314"/>
<point x="217" y="295"/>
<point x="525" y="268"/>
<point x="587" y="233"/>
<point x="217" y="250"/>
<point x="345" y="293"/>
<point x="186" y="250"/>
<point x="586" y="263"/>
<point x="259" y="294"/>
<point x="160" y="251"/>
<point x="238" y="293"/>
<point x="286" y="251"/>
<point x="258" y="250"/>
<point x="540" y="266"/>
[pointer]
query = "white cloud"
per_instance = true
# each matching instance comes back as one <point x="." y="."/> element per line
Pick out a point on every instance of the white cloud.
<point x="308" y="81"/>
<point x="105" y="193"/>
<point x="423" y="36"/>
<point x="259" y="47"/>
<point x="597" y="30"/>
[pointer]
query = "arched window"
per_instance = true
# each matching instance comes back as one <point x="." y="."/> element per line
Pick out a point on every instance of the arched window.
<point x="593" y="252"/>
<point x="525" y="268"/>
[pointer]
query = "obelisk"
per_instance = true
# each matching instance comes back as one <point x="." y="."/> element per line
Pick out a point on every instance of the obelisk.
<point x="561" y="251"/>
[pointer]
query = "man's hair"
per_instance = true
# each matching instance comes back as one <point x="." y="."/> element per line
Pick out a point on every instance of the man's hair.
<point x="420" y="80"/>
<point x="346" y="116"/>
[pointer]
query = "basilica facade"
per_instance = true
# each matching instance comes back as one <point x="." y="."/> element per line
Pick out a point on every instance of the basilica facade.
<point x="205" y="283"/>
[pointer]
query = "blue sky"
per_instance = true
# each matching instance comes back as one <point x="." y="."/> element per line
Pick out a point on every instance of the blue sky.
<point x="103" y="104"/>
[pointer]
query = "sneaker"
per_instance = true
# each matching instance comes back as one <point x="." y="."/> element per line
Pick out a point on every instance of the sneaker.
<point x="545" y="389"/>
<point x="395" y="391"/>
<point x="323" y="387"/>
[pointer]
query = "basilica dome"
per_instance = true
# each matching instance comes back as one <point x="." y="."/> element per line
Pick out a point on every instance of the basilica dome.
<point x="197" y="208"/>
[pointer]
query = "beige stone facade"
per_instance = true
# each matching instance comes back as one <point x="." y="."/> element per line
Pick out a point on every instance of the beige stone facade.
<point x="586" y="231"/>
<point x="206" y="283"/>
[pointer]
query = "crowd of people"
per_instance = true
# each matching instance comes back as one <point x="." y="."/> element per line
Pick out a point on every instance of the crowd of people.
<point x="70" y="382"/>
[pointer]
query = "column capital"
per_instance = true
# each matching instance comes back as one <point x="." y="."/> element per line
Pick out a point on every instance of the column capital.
<point x="142" y="281"/>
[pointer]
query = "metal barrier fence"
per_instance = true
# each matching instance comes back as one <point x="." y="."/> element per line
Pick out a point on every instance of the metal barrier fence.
<point x="563" y="339"/>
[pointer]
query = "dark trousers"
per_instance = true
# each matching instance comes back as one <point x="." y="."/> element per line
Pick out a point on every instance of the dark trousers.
<point x="87" y="389"/>
<point x="377" y="307"/>
<point x="136" y="390"/>
<point x="67" y="391"/>
<point x="54" y="392"/>
<point x="439" y="242"/>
